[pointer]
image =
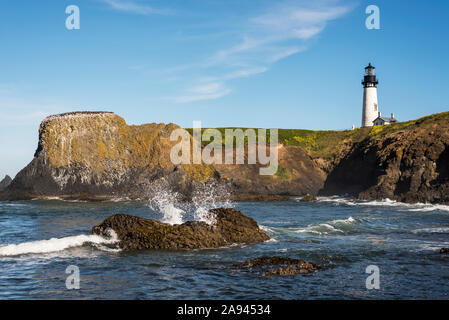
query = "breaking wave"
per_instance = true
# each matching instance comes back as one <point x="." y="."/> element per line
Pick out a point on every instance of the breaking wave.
<point x="176" y="211"/>
<point x="419" y="207"/>
<point x="61" y="244"/>
<point x="432" y="230"/>
<point x="334" y="226"/>
<point x="339" y="226"/>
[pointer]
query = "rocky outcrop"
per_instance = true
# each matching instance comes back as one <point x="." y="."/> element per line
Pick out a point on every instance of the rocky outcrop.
<point x="5" y="182"/>
<point x="96" y="155"/>
<point x="231" y="226"/>
<point x="285" y="266"/>
<point x="407" y="162"/>
<point x="444" y="250"/>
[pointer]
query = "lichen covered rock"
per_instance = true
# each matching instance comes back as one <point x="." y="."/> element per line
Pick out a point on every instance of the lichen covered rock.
<point x="230" y="227"/>
<point x="96" y="155"/>
<point x="407" y="162"/>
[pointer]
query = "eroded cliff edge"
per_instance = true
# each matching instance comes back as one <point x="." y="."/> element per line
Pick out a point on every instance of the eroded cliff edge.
<point x="96" y="155"/>
<point x="407" y="162"/>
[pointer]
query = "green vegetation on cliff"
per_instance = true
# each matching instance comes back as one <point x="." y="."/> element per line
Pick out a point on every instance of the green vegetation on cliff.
<point x="327" y="143"/>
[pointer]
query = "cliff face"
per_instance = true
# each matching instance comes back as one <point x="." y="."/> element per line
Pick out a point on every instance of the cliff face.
<point x="96" y="155"/>
<point x="297" y="174"/>
<point x="408" y="162"/>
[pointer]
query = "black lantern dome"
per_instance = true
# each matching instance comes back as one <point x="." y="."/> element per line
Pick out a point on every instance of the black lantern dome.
<point x="369" y="80"/>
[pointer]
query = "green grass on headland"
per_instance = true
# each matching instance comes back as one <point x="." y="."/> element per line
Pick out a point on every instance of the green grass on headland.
<point x="325" y="143"/>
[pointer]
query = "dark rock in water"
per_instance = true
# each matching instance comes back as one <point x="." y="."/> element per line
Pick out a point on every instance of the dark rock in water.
<point x="136" y="233"/>
<point x="308" y="198"/>
<point x="287" y="266"/>
<point x="444" y="250"/>
<point x="5" y="182"/>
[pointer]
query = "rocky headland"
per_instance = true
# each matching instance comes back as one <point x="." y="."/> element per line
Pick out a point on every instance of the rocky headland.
<point x="96" y="155"/>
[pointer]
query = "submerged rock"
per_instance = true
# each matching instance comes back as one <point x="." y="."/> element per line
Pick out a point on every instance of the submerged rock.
<point x="231" y="226"/>
<point x="444" y="250"/>
<point x="308" y="198"/>
<point x="287" y="266"/>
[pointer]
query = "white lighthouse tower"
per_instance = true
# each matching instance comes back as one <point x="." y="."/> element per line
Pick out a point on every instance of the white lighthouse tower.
<point x="370" y="107"/>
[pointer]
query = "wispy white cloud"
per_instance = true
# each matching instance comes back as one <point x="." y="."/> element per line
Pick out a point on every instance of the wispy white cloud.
<point x="243" y="73"/>
<point x="286" y="22"/>
<point x="206" y="91"/>
<point x="300" y="22"/>
<point x="287" y="52"/>
<point x="135" y="7"/>
<point x="282" y="31"/>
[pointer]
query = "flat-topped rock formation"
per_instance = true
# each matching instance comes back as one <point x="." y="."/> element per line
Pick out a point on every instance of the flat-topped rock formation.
<point x="230" y="227"/>
<point x="93" y="155"/>
<point x="96" y="155"/>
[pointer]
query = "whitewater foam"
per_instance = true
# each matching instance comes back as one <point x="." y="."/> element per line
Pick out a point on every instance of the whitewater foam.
<point x="60" y="244"/>
<point x="334" y="226"/>
<point x="432" y="230"/>
<point x="420" y="207"/>
<point x="321" y="229"/>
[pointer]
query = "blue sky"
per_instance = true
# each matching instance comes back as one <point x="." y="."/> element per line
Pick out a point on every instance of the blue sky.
<point x="251" y="63"/>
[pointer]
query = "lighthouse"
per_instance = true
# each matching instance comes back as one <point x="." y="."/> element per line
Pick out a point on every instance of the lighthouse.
<point x="370" y="107"/>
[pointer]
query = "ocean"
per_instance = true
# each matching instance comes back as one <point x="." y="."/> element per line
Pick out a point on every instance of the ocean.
<point x="40" y="239"/>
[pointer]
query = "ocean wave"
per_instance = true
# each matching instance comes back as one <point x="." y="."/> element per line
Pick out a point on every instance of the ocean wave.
<point x="432" y="230"/>
<point x="321" y="229"/>
<point x="338" y="226"/>
<point x="13" y="205"/>
<point x="419" y="207"/>
<point x="60" y="244"/>
<point x="333" y="226"/>
<point x="58" y="199"/>
<point x="125" y="199"/>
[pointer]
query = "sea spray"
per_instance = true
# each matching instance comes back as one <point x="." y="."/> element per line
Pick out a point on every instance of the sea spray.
<point x="175" y="210"/>
<point x="165" y="200"/>
<point x="210" y="196"/>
